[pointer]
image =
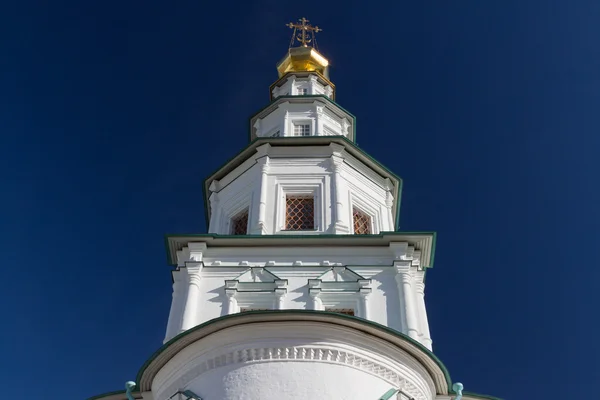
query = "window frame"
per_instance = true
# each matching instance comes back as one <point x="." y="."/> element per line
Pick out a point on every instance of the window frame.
<point x="361" y="203"/>
<point x="301" y="185"/>
<point x="301" y="124"/>
<point x="366" y="214"/>
<point x="232" y="222"/>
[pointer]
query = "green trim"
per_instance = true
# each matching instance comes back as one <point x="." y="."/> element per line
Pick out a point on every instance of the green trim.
<point x="315" y="96"/>
<point x="387" y="395"/>
<point x="381" y="235"/>
<point x="278" y="140"/>
<point x="334" y="315"/>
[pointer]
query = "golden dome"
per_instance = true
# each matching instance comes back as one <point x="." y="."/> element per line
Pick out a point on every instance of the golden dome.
<point x="301" y="59"/>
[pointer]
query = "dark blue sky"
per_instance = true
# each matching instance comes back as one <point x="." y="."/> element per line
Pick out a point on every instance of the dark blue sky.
<point x="113" y="113"/>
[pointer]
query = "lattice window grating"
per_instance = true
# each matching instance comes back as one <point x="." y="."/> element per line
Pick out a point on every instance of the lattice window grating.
<point x="239" y="223"/>
<point x="362" y="222"/>
<point x="300" y="213"/>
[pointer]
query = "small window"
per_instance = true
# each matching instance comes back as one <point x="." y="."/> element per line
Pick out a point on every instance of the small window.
<point x="301" y="129"/>
<point x="246" y="309"/>
<point x="345" y="311"/>
<point x="300" y="213"/>
<point x="302" y="91"/>
<point x="239" y="223"/>
<point x="362" y="222"/>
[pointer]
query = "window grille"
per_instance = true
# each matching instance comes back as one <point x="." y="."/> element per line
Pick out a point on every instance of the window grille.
<point x="345" y="311"/>
<point x="362" y="222"/>
<point x="301" y="129"/>
<point x="302" y="91"/>
<point x="239" y="223"/>
<point x="300" y="213"/>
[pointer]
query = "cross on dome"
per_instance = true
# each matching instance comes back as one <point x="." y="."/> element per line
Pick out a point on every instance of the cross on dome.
<point x="307" y="32"/>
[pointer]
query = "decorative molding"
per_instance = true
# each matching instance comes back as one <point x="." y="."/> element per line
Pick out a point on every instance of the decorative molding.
<point x="301" y="354"/>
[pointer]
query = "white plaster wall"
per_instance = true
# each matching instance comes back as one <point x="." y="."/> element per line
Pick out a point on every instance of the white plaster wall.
<point x="383" y="302"/>
<point x="323" y="121"/>
<point x="288" y="380"/>
<point x="384" y="305"/>
<point x="292" y="360"/>
<point x="293" y="83"/>
<point x="236" y="192"/>
<point x="295" y="170"/>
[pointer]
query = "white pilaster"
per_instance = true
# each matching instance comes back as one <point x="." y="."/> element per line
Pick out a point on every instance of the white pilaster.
<point x="318" y="121"/>
<point x="279" y="294"/>
<point x="261" y="224"/>
<point x="364" y="304"/>
<point x="190" y="314"/>
<point x="389" y="202"/>
<point x="404" y="280"/>
<point x="316" y="301"/>
<point x="175" y="314"/>
<point x="345" y="127"/>
<point x="312" y="85"/>
<point x="214" y="210"/>
<point x="328" y="91"/>
<point x="286" y="123"/>
<point x="337" y="161"/>
<point x="422" y="310"/>
<point x="231" y="301"/>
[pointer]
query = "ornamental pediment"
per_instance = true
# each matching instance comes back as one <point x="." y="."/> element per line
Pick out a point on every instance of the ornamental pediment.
<point x="339" y="280"/>
<point x="256" y="279"/>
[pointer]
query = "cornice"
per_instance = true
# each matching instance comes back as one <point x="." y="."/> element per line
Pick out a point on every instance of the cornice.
<point x="424" y="241"/>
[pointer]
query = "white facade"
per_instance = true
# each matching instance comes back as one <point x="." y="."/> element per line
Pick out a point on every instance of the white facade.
<point x="282" y="360"/>
<point x="338" y="182"/>
<point x="321" y="117"/>
<point x="382" y="283"/>
<point x="303" y="288"/>
<point x="302" y="83"/>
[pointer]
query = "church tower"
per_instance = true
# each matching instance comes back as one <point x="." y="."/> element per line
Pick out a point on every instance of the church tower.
<point x="303" y="287"/>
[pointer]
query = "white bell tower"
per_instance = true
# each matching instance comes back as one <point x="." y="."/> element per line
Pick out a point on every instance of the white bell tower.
<point x="303" y="286"/>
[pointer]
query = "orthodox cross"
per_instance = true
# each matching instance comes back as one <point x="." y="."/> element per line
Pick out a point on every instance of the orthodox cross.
<point x="304" y="37"/>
